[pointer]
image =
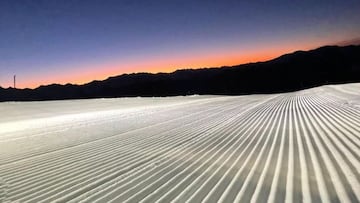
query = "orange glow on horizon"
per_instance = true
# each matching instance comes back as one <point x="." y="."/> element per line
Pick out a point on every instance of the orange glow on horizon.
<point x="166" y="66"/>
<point x="87" y="74"/>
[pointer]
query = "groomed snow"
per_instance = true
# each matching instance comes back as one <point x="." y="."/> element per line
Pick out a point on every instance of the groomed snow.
<point x="294" y="147"/>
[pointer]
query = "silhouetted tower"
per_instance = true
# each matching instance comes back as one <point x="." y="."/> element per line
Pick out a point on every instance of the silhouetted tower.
<point x="14" y="81"/>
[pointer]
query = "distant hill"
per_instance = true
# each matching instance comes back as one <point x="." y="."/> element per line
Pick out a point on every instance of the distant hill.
<point x="295" y="71"/>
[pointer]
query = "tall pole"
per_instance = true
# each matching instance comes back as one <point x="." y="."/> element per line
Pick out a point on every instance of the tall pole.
<point x="14" y="81"/>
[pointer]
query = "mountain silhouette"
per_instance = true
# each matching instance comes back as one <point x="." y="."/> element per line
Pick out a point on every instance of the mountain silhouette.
<point x="295" y="71"/>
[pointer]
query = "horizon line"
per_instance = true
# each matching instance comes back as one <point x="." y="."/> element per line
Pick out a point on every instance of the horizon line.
<point x="339" y="44"/>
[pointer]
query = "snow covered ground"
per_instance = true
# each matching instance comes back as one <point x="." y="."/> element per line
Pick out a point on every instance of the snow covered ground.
<point x="302" y="146"/>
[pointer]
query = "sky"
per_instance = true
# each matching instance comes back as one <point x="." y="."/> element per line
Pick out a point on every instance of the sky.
<point x="77" y="41"/>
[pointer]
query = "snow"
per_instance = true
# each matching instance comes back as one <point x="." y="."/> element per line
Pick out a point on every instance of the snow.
<point x="299" y="146"/>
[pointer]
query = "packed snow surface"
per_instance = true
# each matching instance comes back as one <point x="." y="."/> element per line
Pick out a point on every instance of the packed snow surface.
<point x="294" y="147"/>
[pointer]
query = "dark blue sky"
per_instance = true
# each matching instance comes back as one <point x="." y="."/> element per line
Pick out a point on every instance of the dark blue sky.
<point x="78" y="41"/>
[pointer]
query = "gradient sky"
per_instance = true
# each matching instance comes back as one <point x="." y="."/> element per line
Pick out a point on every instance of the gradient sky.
<point x="77" y="41"/>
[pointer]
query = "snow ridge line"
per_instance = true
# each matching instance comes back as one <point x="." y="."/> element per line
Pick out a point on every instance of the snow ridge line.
<point x="101" y="164"/>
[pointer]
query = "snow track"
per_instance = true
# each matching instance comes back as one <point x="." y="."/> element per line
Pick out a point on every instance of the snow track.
<point x="294" y="147"/>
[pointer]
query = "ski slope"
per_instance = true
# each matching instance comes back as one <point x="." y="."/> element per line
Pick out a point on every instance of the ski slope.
<point x="295" y="147"/>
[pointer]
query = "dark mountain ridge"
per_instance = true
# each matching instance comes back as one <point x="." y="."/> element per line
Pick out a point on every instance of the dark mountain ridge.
<point x="290" y="72"/>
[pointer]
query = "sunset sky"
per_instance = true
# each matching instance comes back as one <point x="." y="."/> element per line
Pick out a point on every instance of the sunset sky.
<point x="77" y="41"/>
